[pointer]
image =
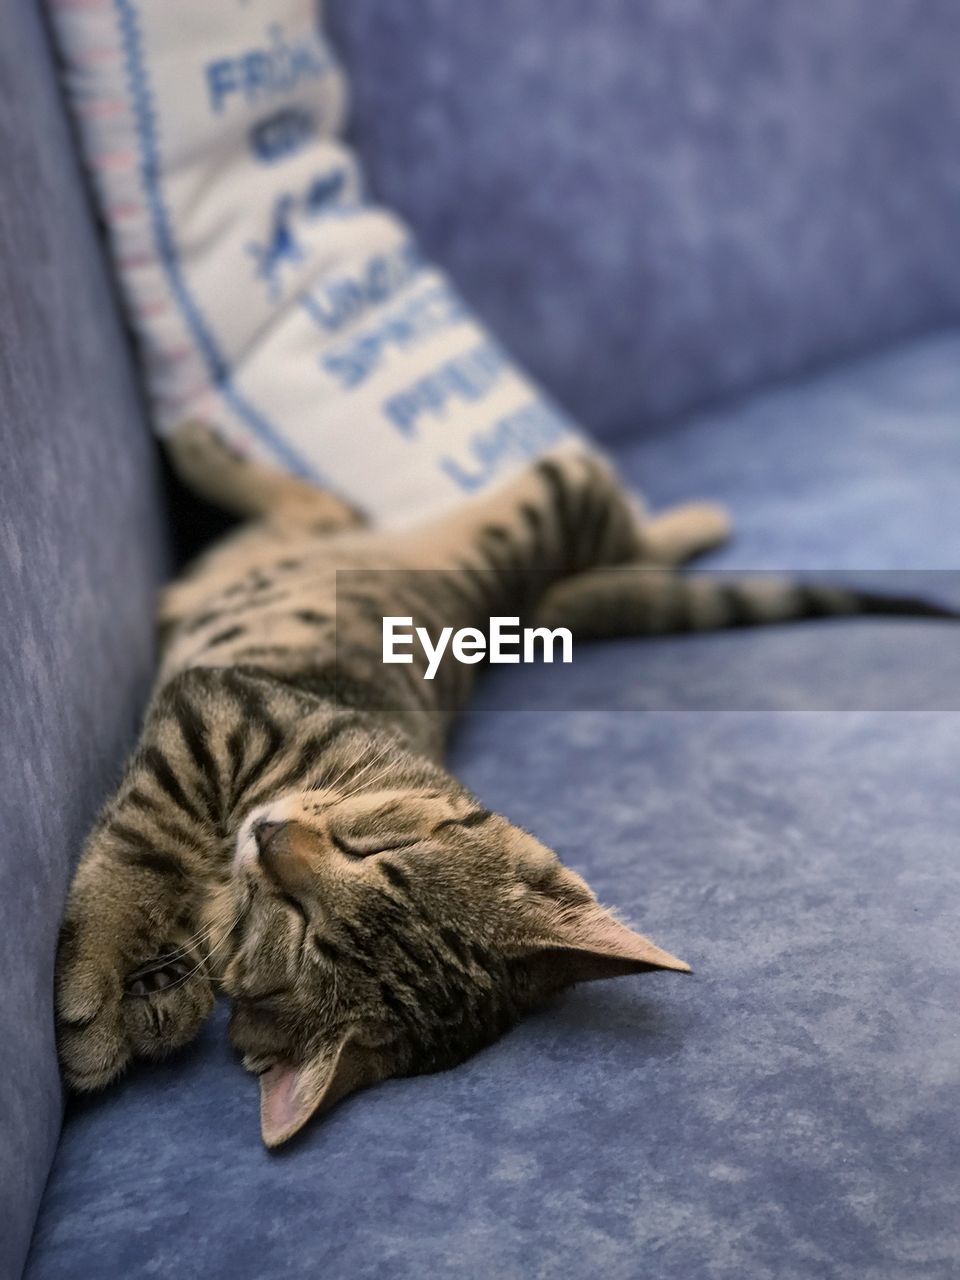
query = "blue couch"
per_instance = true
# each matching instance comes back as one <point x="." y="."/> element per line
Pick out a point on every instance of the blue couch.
<point x="727" y="238"/>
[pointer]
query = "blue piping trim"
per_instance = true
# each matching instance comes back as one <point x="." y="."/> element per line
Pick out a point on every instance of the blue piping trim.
<point x="217" y="366"/>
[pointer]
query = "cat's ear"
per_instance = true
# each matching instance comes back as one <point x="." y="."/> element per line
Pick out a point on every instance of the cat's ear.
<point x="570" y="937"/>
<point x="290" y="1094"/>
<point x="588" y="942"/>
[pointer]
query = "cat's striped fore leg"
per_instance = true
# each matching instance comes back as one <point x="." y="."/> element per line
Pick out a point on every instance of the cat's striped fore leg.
<point x="138" y="943"/>
<point x="131" y="979"/>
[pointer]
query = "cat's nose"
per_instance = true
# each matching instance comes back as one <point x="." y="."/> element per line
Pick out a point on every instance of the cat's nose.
<point x="266" y="835"/>
<point x="283" y="854"/>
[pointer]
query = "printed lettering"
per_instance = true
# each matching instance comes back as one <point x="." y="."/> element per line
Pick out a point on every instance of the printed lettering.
<point x="391" y="639"/>
<point x="279" y="66"/>
<point x="465" y="379"/>
<point x="416" y="321"/>
<point x="346" y="298"/>
<point x="519" y="436"/>
<point x="506" y="642"/>
<point x="281" y="134"/>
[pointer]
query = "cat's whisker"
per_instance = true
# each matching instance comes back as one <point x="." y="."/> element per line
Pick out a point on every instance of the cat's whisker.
<point x="324" y="785"/>
<point x="197" y="939"/>
<point x="185" y="948"/>
<point x="352" y="765"/>
<point x="202" y="936"/>
<point x="370" y="782"/>
<point x="341" y="796"/>
<point x="207" y="958"/>
<point x="366" y="768"/>
<point x="374" y="759"/>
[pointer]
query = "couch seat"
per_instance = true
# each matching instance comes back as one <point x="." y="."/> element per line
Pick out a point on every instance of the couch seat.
<point x="781" y="809"/>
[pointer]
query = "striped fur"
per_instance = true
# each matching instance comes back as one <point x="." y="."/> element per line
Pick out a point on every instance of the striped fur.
<point x="286" y="830"/>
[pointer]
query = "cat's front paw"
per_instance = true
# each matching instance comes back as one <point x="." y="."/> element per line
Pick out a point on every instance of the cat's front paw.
<point x="116" y="1002"/>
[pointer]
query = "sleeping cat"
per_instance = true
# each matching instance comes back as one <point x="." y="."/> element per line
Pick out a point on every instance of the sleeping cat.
<point x="286" y="832"/>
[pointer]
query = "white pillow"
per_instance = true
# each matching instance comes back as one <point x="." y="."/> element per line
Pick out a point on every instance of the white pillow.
<point x="270" y="298"/>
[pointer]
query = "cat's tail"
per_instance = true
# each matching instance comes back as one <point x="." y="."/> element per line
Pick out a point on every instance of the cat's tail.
<point x="636" y="601"/>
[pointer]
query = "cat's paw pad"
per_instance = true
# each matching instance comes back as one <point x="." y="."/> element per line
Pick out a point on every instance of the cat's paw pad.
<point x="165" y="1003"/>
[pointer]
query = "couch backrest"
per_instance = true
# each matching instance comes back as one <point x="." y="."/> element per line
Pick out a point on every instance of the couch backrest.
<point x="658" y="203"/>
<point x="82" y="549"/>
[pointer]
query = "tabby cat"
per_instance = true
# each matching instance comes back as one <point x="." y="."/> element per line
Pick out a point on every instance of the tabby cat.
<point x="285" y="831"/>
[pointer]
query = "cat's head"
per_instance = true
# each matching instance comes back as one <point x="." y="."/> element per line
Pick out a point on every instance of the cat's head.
<point x="397" y="932"/>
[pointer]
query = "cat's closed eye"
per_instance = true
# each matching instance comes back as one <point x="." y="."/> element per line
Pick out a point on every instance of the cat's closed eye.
<point x="366" y="844"/>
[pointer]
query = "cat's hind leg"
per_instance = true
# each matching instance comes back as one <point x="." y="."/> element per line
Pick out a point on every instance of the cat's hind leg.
<point x="208" y="464"/>
<point x="637" y="600"/>
<point x="681" y="533"/>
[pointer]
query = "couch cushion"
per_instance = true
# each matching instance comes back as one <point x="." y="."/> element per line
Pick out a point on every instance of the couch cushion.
<point x="789" y="1111"/>
<point x="656" y="204"/>
<point x="853" y="469"/>
<point x="82" y="549"/>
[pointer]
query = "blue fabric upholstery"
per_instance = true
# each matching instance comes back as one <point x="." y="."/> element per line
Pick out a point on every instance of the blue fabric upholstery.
<point x="788" y="1112"/>
<point x="657" y="204"/>
<point x="82" y="549"/>
<point x="853" y="469"/>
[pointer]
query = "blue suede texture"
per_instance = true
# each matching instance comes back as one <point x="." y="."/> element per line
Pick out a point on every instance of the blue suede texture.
<point x="659" y="204"/>
<point x="82" y="549"/>
<point x="855" y="468"/>
<point x="656" y="206"/>
<point x="789" y="1111"/>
